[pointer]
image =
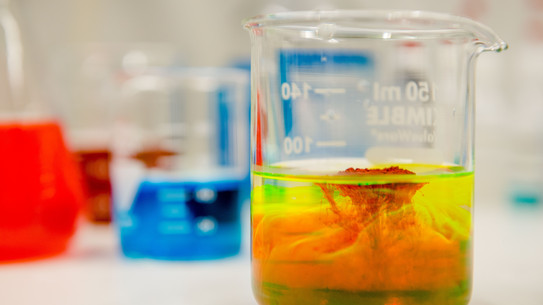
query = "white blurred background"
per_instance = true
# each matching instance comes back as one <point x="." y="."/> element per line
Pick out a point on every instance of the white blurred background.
<point x="509" y="144"/>
<point x="58" y="34"/>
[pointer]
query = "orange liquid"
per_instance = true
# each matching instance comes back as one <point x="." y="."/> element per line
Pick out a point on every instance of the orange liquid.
<point x="40" y="191"/>
<point x="395" y="240"/>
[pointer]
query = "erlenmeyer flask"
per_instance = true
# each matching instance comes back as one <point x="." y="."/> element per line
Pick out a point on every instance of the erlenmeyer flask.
<point x="40" y="190"/>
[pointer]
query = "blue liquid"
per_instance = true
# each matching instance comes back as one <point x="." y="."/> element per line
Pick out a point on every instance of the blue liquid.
<point x="183" y="220"/>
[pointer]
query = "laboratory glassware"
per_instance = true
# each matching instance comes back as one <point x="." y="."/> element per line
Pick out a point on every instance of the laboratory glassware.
<point x="180" y="162"/>
<point x="40" y="189"/>
<point x="362" y="156"/>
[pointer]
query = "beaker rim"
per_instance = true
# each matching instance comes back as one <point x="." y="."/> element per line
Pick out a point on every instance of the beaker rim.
<point x="381" y="24"/>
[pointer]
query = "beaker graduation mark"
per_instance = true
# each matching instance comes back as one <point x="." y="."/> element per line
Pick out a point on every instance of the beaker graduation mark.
<point x="331" y="143"/>
<point x="327" y="91"/>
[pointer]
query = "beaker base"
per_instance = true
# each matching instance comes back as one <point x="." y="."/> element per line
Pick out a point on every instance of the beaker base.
<point x="223" y="243"/>
<point x="271" y="294"/>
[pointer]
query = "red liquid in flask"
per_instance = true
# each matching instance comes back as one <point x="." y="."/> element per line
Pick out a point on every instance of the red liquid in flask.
<point x="40" y="191"/>
<point x="94" y="165"/>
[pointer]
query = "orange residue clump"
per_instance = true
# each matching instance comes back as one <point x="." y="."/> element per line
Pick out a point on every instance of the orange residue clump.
<point x="369" y="200"/>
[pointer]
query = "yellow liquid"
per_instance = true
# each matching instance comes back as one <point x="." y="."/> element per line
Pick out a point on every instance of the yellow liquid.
<point x="388" y="239"/>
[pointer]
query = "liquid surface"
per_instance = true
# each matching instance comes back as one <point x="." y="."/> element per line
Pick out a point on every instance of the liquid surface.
<point x="40" y="191"/>
<point x="379" y="238"/>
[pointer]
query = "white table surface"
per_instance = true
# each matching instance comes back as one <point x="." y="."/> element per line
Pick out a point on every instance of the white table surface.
<point x="508" y="270"/>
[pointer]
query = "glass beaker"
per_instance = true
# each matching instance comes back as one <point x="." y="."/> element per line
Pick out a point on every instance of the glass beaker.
<point x="40" y="187"/>
<point x="362" y="156"/>
<point x="90" y="74"/>
<point x="180" y="163"/>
